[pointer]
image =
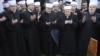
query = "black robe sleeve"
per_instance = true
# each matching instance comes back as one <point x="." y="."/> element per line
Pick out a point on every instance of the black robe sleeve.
<point x="27" y="20"/>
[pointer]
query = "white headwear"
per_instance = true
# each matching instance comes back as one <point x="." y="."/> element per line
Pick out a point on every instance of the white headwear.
<point x="5" y="5"/>
<point x="93" y="3"/>
<point x="30" y="2"/>
<point x="37" y="3"/>
<point x="74" y="3"/>
<point x="67" y="7"/>
<point x="12" y="2"/>
<point x="21" y="2"/>
<point x="55" y="3"/>
<point x="49" y="5"/>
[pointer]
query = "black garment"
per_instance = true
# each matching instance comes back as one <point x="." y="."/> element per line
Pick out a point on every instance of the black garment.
<point x="31" y="34"/>
<point x="49" y="46"/>
<point x="15" y="34"/>
<point x="80" y="14"/>
<point x="98" y="10"/>
<point x="58" y="13"/>
<point x="67" y="31"/>
<point x="88" y="30"/>
<point x="3" y="38"/>
<point x="98" y="52"/>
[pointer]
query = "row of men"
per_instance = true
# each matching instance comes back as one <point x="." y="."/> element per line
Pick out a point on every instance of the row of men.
<point x="59" y="29"/>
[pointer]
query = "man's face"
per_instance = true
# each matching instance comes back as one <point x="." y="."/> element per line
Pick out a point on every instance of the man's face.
<point x="84" y="5"/>
<point x="31" y="6"/>
<point x="73" y="7"/>
<point x="67" y="12"/>
<point x="56" y="7"/>
<point x="23" y="6"/>
<point x="60" y="2"/>
<point x="38" y="8"/>
<point x="48" y="10"/>
<point x="12" y="8"/>
<point x="92" y="9"/>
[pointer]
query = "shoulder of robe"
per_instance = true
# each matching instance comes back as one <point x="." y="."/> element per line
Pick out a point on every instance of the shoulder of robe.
<point x="98" y="14"/>
<point x="86" y="13"/>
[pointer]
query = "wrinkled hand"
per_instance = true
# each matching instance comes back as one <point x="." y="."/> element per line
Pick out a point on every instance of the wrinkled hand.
<point x="14" y="21"/>
<point x="38" y="17"/>
<point x="93" y="18"/>
<point x="84" y="19"/>
<point x="48" y="23"/>
<point x="2" y="19"/>
<point x="33" y="17"/>
<point x="83" y="10"/>
<point x="70" y="21"/>
<point x="66" y="21"/>
<point x="54" y="22"/>
<point x="21" y="21"/>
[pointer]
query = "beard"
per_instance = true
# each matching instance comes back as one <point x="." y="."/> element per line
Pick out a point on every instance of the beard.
<point x="91" y="12"/>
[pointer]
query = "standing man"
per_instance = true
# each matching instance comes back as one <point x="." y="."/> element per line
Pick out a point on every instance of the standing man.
<point x="22" y="5"/>
<point x="49" y="41"/>
<point x="68" y="24"/>
<point x="89" y="28"/>
<point x="30" y="30"/>
<point x="14" y="32"/>
<point x="56" y="8"/>
<point x="3" y="37"/>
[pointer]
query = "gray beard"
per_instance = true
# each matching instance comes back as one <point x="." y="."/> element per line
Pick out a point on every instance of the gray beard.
<point x="91" y="13"/>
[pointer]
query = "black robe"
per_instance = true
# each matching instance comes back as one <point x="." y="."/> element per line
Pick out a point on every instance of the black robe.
<point x="31" y="34"/>
<point x="14" y="34"/>
<point x="98" y="11"/>
<point x="3" y="38"/>
<point x="49" y="46"/>
<point x="88" y="30"/>
<point x="67" y="39"/>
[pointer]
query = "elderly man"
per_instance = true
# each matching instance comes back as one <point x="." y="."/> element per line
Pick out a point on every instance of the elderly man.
<point x="89" y="28"/>
<point x="48" y="22"/>
<point x="30" y="29"/>
<point x="68" y="23"/>
<point x="14" y="30"/>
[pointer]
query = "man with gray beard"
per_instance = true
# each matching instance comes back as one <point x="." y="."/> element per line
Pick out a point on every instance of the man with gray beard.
<point x="89" y="28"/>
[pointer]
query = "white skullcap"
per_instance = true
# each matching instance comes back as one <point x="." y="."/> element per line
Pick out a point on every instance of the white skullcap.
<point x="30" y="2"/>
<point x="49" y="5"/>
<point x="5" y="5"/>
<point x="55" y="3"/>
<point x="21" y="2"/>
<point x="93" y="4"/>
<point x="37" y="3"/>
<point x="12" y="2"/>
<point x="67" y="7"/>
<point x="74" y="3"/>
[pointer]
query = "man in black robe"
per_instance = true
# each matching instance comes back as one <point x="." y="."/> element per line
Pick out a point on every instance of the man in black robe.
<point x="22" y="5"/>
<point x="48" y="24"/>
<point x="31" y="30"/>
<point x="56" y="9"/>
<point x="68" y="23"/>
<point x="83" y="10"/>
<point x="89" y="29"/>
<point x="14" y="33"/>
<point x="3" y="38"/>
